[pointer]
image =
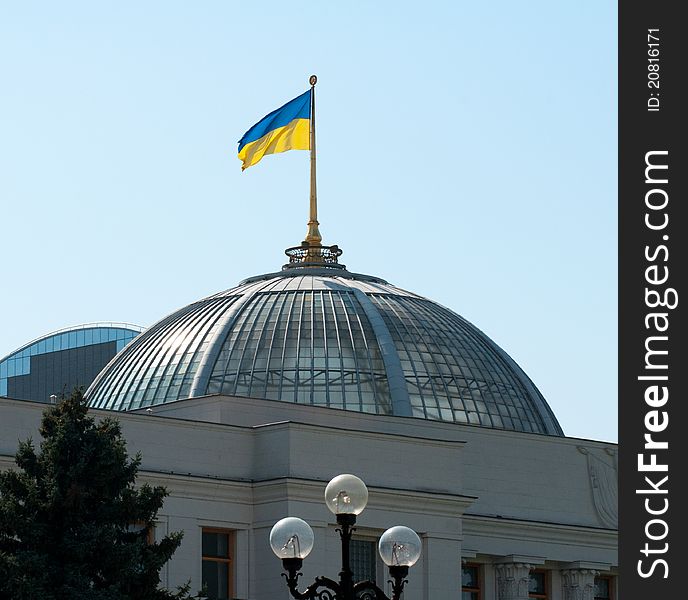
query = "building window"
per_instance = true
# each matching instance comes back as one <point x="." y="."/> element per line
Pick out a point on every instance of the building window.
<point x="217" y="549"/>
<point x="363" y="560"/>
<point x="470" y="582"/>
<point x="537" y="586"/>
<point x="603" y="588"/>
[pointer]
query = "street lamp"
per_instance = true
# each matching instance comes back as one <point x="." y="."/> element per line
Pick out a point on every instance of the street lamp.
<point x="291" y="539"/>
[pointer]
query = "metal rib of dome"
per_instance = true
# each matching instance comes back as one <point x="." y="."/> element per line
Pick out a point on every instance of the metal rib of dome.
<point x="327" y="338"/>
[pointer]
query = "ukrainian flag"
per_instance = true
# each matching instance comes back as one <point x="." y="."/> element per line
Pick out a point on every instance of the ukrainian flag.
<point x="287" y="128"/>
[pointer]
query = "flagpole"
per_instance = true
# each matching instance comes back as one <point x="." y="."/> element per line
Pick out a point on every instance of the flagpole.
<point x="313" y="237"/>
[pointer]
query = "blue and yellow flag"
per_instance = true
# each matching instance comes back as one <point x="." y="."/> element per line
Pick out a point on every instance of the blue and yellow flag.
<point x="287" y="128"/>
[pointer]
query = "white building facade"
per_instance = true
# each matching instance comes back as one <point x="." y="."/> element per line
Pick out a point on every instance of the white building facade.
<point x="245" y="404"/>
<point x="504" y="505"/>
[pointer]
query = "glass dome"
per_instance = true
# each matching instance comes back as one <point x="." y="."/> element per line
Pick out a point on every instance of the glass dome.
<point x="329" y="338"/>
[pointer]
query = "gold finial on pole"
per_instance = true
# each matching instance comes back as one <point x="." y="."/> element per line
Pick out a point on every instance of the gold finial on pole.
<point x="313" y="236"/>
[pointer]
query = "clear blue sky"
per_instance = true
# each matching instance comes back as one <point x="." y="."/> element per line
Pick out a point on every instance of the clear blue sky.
<point x="466" y="151"/>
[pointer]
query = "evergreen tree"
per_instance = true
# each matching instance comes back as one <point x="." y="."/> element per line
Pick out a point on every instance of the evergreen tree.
<point x="72" y="524"/>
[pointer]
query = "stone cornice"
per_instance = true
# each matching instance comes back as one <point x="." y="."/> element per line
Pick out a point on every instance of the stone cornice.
<point x="364" y="434"/>
<point x="304" y="490"/>
<point x="521" y="558"/>
<point x="309" y="490"/>
<point x="200" y="488"/>
<point x="533" y="531"/>
<point x="372" y="422"/>
<point x="582" y="565"/>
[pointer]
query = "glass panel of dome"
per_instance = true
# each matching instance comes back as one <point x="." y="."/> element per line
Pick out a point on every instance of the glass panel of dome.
<point x="184" y="391"/>
<point x="291" y="328"/>
<point x="336" y="398"/>
<point x="443" y="403"/>
<point x="473" y="418"/>
<point x="460" y="416"/>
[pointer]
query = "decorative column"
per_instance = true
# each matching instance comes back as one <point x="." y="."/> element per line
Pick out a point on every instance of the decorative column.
<point x="512" y="580"/>
<point x="578" y="584"/>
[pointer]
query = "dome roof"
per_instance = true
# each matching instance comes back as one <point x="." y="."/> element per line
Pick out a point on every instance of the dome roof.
<point x="327" y="337"/>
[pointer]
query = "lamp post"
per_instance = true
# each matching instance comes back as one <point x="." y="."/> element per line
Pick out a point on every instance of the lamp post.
<point x="291" y="539"/>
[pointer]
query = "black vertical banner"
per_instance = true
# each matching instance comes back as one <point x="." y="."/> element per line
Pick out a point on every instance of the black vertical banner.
<point x="653" y="298"/>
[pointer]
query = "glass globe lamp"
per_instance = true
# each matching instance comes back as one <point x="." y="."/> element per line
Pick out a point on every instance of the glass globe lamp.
<point x="291" y="538"/>
<point x="399" y="547"/>
<point x="346" y="495"/>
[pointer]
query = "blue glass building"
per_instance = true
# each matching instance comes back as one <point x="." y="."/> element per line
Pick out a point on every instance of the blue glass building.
<point x="60" y="361"/>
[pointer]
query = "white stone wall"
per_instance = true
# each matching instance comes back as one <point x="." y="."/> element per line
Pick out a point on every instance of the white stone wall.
<point x="497" y="497"/>
<point x="513" y="474"/>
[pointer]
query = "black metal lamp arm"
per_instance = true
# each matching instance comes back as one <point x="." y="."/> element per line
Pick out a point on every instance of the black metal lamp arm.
<point x="367" y="590"/>
<point x="322" y="589"/>
<point x="399" y="574"/>
<point x="327" y="589"/>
